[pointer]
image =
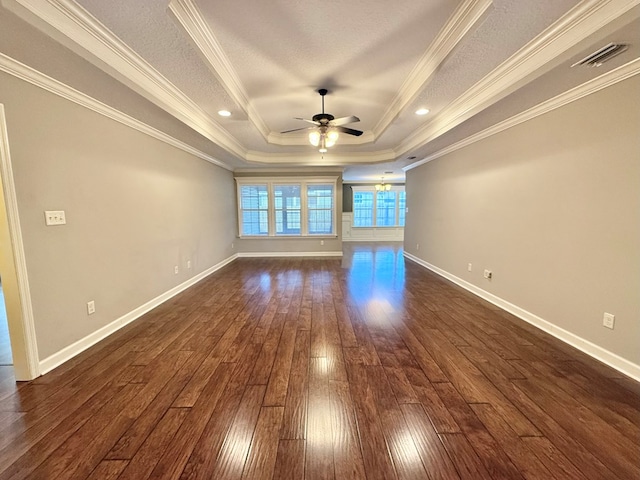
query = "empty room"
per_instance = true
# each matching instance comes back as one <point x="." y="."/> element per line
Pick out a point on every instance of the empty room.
<point x="319" y="240"/>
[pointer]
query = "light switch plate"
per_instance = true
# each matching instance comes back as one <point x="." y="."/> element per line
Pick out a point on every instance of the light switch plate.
<point x="55" y="217"/>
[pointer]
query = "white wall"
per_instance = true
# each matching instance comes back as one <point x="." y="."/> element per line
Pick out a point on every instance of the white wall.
<point x="552" y="207"/>
<point x="135" y="208"/>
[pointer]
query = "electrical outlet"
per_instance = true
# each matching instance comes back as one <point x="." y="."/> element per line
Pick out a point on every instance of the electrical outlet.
<point x="54" y="217"/>
<point x="176" y="269"/>
<point x="488" y="274"/>
<point x="417" y="246"/>
<point x="232" y="245"/>
<point x="321" y="242"/>
<point x="608" y="320"/>
<point x="469" y="266"/>
<point x="188" y="263"/>
<point x="91" y="307"/>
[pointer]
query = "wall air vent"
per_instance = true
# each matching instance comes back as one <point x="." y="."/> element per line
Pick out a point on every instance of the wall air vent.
<point x="600" y="56"/>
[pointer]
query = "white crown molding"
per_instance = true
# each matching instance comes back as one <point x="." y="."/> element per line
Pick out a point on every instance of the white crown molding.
<point x="86" y="32"/>
<point x="615" y="361"/>
<point x="67" y="353"/>
<point x="303" y="139"/>
<point x="28" y="74"/>
<point x="331" y="158"/>
<point x="461" y="22"/>
<point x="190" y="19"/>
<point x="592" y="86"/>
<point x="580" y="22"/>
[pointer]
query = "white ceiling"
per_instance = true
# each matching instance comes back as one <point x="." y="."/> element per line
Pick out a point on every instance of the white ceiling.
<point x="471" y="62"/>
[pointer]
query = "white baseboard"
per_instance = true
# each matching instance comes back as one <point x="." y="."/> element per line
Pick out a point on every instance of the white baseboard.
<point x="74" y="349"/>
<point x="614" y="361"/>
<point x="288" y="254"/>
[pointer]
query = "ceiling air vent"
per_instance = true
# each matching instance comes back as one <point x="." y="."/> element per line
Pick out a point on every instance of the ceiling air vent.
<point x="600" y="56"/>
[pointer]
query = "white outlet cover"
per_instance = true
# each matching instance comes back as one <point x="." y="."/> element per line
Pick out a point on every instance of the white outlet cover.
<point x="55" y="217"/>
<point x="608" y="320"/>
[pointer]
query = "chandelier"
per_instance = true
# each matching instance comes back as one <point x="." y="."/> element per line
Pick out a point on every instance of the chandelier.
<point x="383" y="187"/>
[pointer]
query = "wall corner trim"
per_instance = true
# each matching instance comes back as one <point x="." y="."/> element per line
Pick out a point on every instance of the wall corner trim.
<point x="609" y="358"/>
<point x="67" y="353"/>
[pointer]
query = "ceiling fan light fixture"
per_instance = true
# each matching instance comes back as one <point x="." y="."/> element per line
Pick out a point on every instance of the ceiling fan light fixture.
<point x="314" y="138"/>
<point x="331" y="138"/>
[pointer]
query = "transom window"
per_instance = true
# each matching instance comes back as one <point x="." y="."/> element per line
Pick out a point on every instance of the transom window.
<point x="379" y="209"/>
<point x="280" y="207"/>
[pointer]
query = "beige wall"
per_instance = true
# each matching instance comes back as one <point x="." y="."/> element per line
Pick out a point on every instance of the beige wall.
<point x="135" y="207"/>
<point x="552" y="207"/>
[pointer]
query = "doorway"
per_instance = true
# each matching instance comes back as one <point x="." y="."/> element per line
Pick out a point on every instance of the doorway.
<point x="13" y="272"/>
<point x="5" y="343"/>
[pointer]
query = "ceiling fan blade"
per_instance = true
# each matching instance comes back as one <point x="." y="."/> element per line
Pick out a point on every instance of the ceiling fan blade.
<point x="306" y="120"/>
<point x="298" y="129"/>
<point x="344" y="120"/>
<point x="349" y="131"/>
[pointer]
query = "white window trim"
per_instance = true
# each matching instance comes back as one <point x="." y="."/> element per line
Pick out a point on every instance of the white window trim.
<point x="372" y="188"/>
<point x="270" y="182"/>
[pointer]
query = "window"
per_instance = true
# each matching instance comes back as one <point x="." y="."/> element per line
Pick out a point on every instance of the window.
<point x="279" y="207"/>
<point x="378" y="209"/>
<point x="287" y="208"/>
<point x="253" y="206"/>
<point x="386" y="209"/>
<point x="362" y="209"/>
<point x="320" y="208"/>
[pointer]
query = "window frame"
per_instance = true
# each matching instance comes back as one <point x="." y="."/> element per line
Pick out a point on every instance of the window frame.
<point x="372" y="189"/>
<point x="303" y="183"/>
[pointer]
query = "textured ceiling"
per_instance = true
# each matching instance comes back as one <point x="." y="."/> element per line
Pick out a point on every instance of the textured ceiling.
<point x="264" y="61"/>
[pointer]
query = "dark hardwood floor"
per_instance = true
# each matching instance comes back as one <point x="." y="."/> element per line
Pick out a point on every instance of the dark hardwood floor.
<point x="365" y="367"/>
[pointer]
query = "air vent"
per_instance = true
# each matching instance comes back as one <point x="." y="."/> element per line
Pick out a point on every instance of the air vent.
<point x="600" y="56"/>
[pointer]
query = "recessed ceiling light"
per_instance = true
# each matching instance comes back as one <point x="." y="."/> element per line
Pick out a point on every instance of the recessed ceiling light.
<point x="224" y="113"/>
<point x="422" y="111"/>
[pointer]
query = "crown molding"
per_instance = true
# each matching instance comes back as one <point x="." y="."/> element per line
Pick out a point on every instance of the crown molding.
<point x="461" y="22"/>
<point x="303" y="139"/>
<point x="112" y="55"/>
<point x="197" y="29"/>
<point x="580" y="22"/>
<point x="32" y="76"/>
<point x="592" y="86"/>
<point x="328" y="159"/>
<point x="86" y="32"/>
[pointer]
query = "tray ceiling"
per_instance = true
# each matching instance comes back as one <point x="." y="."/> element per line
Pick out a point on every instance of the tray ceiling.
<point x="472" y="63"/>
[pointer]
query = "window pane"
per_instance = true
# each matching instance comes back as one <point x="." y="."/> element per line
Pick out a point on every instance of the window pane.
<point x="320" y="207"/>
<point x="402" y="207"/>
<point x="254" y="201"/>
<point x="363" y="209"/>
<point x="386" y="209"/>
<point x="287" y="209"/>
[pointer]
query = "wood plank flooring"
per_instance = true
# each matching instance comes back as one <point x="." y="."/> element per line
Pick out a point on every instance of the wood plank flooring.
<point x="366" y="367"/>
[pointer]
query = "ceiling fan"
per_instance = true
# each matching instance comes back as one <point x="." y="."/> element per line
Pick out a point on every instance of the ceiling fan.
<point x="327" y="128"/>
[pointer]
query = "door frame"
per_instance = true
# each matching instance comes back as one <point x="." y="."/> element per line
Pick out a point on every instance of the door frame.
<point x="13" y="268"/>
